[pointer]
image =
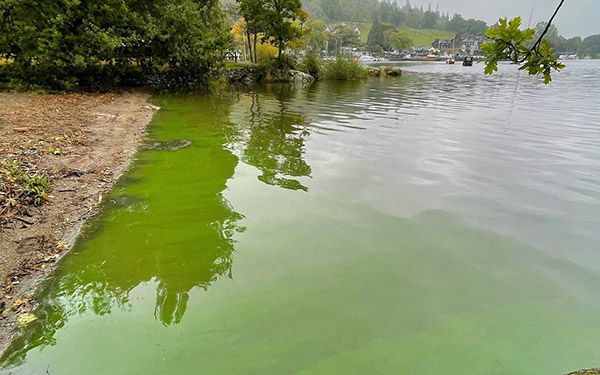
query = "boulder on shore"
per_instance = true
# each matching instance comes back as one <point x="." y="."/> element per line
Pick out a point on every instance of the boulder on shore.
<point x="384" y="71"/>
<point x="301" y="78"/>
<point x="245" y="75"/>
<point x="249" y="75"/>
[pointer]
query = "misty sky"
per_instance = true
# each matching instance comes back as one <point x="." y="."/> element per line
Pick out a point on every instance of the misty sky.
<point x="577" y="17"/>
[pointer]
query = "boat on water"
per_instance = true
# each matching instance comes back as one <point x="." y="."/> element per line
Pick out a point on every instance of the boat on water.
<point x="430" y="58"/>
<point x="366" y="58"/>
<point x="568" y="57"/>
<point x="468" y="61"/>
<point x="450" y="61"/>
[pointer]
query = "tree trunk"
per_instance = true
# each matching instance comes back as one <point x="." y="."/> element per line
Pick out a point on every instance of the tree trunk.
<point x="255" y="53"/>
<point x="249" y="44"/>
<point x="280" y="45"/>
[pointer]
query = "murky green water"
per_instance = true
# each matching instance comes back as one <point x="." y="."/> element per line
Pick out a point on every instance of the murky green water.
<point x="441" y="223"/>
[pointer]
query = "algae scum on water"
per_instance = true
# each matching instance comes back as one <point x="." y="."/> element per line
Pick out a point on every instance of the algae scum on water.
<point x="385" y="226"/>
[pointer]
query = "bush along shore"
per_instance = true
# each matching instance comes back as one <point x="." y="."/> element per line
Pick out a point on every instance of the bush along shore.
<point x="311" y="69"/>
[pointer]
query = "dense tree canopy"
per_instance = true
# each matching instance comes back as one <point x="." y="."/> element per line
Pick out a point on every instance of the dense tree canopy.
<point x="400" y="41"/>
<point x="590" y="46"/>
<point x="64" y="44"/>
<point x="280" y="26"/>
<point x="376" y="37"/>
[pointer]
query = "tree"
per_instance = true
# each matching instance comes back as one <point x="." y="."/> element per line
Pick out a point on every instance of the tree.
<point x="508" y="41"/>
<point x="343" y="36"/>
<point x="591" y="46"/>
<point x="317" y="38"/>
<point x="574" y="44"/>
<point x="279" y="18"/>
<point x="430" y="20"/>
<point x="331" y="9"/>
<point x="551" y="34"/>
<point x="400" y="41"/>
<point x="376" y="37"/>
<point x="254" y="14"/>
<point x="64" y="44"/>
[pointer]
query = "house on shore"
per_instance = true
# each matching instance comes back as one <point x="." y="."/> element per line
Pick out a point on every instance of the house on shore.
<point x="465" y="44"/>
<point x="334" y="27"/>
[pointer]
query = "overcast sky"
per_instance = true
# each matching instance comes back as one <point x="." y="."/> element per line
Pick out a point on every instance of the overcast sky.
<point x="577" y="17"/>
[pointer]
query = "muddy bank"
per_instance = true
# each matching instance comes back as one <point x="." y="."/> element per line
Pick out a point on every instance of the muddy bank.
<point x="81" y="144"/>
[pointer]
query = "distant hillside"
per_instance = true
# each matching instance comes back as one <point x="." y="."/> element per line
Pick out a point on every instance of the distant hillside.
<point x="425" y="37"/>
<point x="408" y="17"/>
<point x="339" y="10"/>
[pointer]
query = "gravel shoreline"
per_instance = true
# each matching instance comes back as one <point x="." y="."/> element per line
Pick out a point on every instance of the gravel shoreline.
<point x="82" y="143"/>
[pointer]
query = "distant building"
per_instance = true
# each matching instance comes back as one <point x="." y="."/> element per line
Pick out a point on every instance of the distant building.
<point x="420" y="51"/>
<point x="333" y="28"/>
<point x="443" y="44"/>
<point x="466" y="44"/>
<point x="470" y="43"/>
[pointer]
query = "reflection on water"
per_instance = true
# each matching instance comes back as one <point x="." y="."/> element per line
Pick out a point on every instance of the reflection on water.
<point x="174" y="229"/>
<point x="442" y="220"/>
<point x="274" y="139"/>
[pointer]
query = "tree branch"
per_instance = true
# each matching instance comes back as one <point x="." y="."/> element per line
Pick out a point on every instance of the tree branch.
<point x="537" y="43"/>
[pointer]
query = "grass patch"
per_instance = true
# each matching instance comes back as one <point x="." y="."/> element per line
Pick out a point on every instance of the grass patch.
<point x="365" y="28"/>
<point x="312" y="64"/>
<point x="420" y="37"/>
<point x="343" y="69"/>
<point x="425" y="37"/>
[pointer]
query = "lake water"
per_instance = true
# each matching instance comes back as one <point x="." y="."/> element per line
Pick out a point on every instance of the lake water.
<point x="439" y="223"/>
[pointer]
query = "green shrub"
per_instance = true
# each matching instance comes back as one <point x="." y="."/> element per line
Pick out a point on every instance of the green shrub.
<point x="63" y="45"/>
<point x="276" y="70"/>
<point x="343" y="69"/>
<point x="28" y="186"/>
<point x="311" y="64"/>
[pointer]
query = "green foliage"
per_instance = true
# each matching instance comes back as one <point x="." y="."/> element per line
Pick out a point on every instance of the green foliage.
<point x="342" y="36"/>
<point x="430" y="20"/>
<point x="311" y="64"/>
<point x="31" y="188"/>
<point x="343" y="69"/>
<point x="317" y="38"/>
<point x="331" y="9"/>
<point x="280" y="26"/>
<point x="375" y="37"/>
<point x="590" y="46"/>
<point x="61" y="45"/>
<point x="277" y="21"/>
<point x="551" y="34"/>
<point x="400" y="41"/>
<point x="508" y="41"/>
<point x="254" y="14"/>
<point x="367" y="11"/>
<point x="276" y="69"/>
<point x="461" y="26"/>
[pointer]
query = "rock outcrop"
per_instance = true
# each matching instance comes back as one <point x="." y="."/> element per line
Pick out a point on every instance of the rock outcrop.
<point x="301" y="78"/>
<point x="384" y="71"/>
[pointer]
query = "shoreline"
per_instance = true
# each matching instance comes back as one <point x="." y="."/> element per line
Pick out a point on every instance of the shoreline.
<point x="103" y="133"/>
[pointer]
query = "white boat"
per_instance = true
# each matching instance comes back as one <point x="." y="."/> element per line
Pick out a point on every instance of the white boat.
<point x="366" y="58"/>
